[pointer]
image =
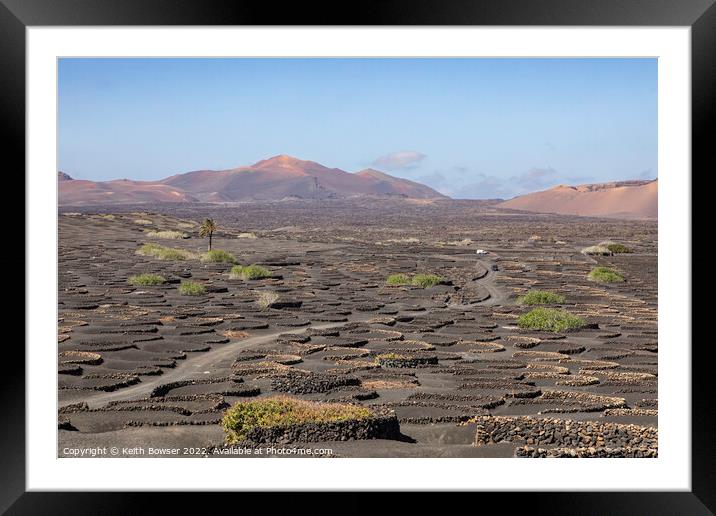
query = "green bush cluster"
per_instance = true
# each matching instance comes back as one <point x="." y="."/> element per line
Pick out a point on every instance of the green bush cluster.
<point x="191" y="288"/>
<point x="419" y="280"/>
<point x="425" y="280"/>
<point x="218" y="256"/>
<point x="605" y="275"/>
<point x="282" y="411"/>
<point x="616" y="248"/>
<point x="541" y="297"/>
<point x="146" y="280"/>
<point x="549" y="319"/>
<point x="398" y="279"/>
<point x="164" y="253"/>
<point x="249" y="272"/>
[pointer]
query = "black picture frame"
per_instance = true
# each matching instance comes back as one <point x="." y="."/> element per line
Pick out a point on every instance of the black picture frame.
<point x="17" y="15"/>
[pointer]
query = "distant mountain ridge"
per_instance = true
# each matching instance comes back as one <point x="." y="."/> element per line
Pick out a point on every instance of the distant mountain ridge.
<point x="276" y="178"/>
<point x="634" y="199"/>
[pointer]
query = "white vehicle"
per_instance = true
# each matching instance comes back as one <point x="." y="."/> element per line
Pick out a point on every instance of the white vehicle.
<point x="480" y="252"/>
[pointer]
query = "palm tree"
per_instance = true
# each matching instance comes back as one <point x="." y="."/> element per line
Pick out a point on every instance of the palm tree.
<point x="207" y="229"/>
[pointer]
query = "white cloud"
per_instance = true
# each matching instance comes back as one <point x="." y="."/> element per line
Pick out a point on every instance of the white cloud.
<point x="399" y="160"/>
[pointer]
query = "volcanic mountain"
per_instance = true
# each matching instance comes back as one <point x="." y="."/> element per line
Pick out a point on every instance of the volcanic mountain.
<point x="620" y="199"/>
<point x="122" y="191"/>
<point x="277" y="178"/>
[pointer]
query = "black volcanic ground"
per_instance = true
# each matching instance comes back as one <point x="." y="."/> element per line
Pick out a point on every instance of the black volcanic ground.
<point x="158" y="369"/>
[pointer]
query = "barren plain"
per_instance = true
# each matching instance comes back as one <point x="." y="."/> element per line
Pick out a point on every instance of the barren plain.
<point x="445" y="370"/>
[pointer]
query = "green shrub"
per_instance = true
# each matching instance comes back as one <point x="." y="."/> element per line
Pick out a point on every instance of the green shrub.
<point x="218" y="256"/>
<point x="616" y="248"/>
<point x="425" y="280"/>
<point x="191" y="288"/>
<point x="605" y="275"/>
<point x="164" y="253"/>
<point x="541" y="297"/>
<point x="398" y="279"/>
<point x="249" y="272"/>
<point x="146" y="279"/>
<point x="282" y="411"/>
<point x="549" y="319"/>
<point x="150" y="249"/>
<point x="175" y="254"/>
<point x="167" y="234"/>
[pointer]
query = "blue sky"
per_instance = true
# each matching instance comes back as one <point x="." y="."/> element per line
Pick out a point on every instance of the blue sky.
<point x="471" y="128"/>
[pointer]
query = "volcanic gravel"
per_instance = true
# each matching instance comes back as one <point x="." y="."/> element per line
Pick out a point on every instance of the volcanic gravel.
<point x="446" y="368"/>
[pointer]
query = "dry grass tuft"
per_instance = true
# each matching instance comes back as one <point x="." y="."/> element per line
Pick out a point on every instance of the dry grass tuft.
<point x="266" y="298"/>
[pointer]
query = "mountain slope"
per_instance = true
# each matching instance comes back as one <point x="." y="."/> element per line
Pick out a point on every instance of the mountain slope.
<point x="275" y="178"/>
<point x="122" y="191"/>
<point x="385" y="183"/>
<point x="284" y="176"/>
<point x="622" y="199"/>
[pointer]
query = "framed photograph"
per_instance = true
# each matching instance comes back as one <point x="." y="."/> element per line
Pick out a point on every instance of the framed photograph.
<point x="415" y="248"/>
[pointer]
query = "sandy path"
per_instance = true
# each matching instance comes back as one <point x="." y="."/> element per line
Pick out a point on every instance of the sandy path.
<point x="191" y="367"/>
<point x="207" y="361"/>
<point x="497" y="296"/>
